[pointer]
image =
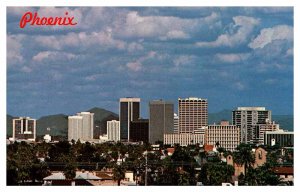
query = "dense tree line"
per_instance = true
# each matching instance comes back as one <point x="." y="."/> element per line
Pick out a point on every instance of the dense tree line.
<point x="30" y="163"/>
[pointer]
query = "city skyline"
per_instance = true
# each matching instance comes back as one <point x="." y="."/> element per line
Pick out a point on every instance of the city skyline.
<point x="234" y="57"/>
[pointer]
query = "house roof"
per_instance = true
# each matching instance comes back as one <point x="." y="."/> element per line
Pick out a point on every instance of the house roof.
<point x="86" y="176"/>
<point x="79" y="176"/>
<point x="104" y="176"/>
<point x="55" y="176"/>
<point x="284" y="170"/>
<point x="171" y="150"/>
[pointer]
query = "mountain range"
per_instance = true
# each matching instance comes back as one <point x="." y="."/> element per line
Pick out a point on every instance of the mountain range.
<point x="58" y="123"/>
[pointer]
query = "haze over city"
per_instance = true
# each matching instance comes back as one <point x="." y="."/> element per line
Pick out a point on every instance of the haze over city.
<point x="230" y="56"/>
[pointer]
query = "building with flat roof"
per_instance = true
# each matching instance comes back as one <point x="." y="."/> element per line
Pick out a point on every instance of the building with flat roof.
<point x="81" y="126"/>
<point x="225" y="135"/>
<point x="260" y="130"/>
<point x="129" y="111"/>
<point x="24" y="128"/>
<point x="139" y="130"/>
<point x="193" y="114"/>
<point x="161" y="120"/>
<point x="281" y="138"/>
<point x="113" y="130"/>
<point x="184" y="139"/>
<point x="246" y="118"/>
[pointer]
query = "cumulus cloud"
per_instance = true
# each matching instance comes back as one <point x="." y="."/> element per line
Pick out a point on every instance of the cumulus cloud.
<point x="14" y="47"/>
<point x="242" y="27"/>
<point x="102" y="40"/>
<point x="134" y="66"/>
<point x="52" y="56"/>
<point x="137" y="65"/>
<point x="232" y="57"/>
<point x="268" y="35"/>
<point x="175" y="35"/>
<point x="290" y="52"/>
<point x="240" y="86"/>
<point x="183" y="60"/>
<point x="163" y="27"/>
<point x="132" y="47"/>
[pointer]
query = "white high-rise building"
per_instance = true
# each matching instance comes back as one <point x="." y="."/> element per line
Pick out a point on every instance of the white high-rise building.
<point x="24" y="128"/>
<point x="81" y="126"/>
<point x="87" y="124"/>
<point x="113" y="130"/>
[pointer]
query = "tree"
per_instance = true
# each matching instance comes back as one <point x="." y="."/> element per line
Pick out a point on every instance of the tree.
<point x="118" y="173"/>
<point x="70" y="171"/>
<point x="216" y="173"/>
<point x="244" y="156"/>
<point x="38" y="171"/>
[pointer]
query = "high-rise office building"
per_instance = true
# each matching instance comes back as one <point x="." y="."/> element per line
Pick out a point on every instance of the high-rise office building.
<point x="24" y="128"/>
<point x="113" y="130"/>
<point x="129" y="111"/>
<point x="161" y="120"/>
<point x="81" y="126"/>
<point x="225" y="135"/>
<point x="260" y="130"/>
<point x="192" y="114"/>
<point x="246" y="118"/>
<point x="176" y="123"/>
<point x="88" y="124"/>
<point x="139" y="130"/>
<point x="75" y="127"/>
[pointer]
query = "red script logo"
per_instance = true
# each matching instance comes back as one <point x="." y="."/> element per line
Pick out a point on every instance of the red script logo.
<point x="34" y="19"/>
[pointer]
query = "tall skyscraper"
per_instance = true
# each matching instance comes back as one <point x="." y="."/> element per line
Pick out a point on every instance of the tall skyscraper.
<point x="161" y="120"/>
<point x="81" y="126"/>
<point x="113" y="130"/>
<point x="193" y="114"/>
<point x="75" y="127"/>
<point x="88" y="124"/>
<point x="247" y="119"/>
<point x="24" y="128"/>
<point x="129" y="111"/>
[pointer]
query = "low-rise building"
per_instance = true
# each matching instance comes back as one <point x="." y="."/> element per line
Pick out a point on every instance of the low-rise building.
<point x="223" y="135"/>
<point x="184" y="139"/>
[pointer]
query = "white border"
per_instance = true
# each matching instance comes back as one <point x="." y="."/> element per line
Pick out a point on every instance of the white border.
<point x="128" y="3"/>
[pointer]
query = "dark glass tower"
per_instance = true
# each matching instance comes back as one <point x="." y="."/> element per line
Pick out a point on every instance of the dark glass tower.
<point x="129" y="111"/>
<point x="161" y="120"/>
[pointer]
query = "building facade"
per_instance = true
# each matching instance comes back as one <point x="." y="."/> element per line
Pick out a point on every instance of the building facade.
<point x="247" y="118"/>
<point x="81" y="126"/>
<point x="193" y="114"/>
<point x="113" y="130"/>
<point x="184" y="139"/>
<point x="129" y="111"/>
<point x="139" y="131"/>
<point x="225" y="135"/>
<point x="281" y="138"/>
<point x="161" y="120"/>
<point x="176" y="123"/>
<point x="75" y="127"/>
<point x="24" y="128"/>
<point x="261" y="129"/>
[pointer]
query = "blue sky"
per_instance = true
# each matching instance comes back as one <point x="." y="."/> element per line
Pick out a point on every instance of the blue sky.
<point x="232" y="56"/>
